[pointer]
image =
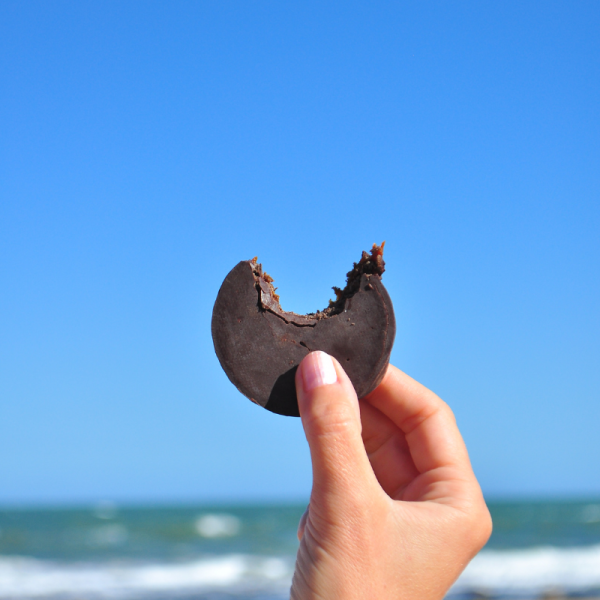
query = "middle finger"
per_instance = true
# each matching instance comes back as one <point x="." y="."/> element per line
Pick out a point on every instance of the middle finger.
<point x="387" y="450"/>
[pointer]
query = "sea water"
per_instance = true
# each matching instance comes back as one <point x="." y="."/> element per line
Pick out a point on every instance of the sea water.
<point x="247" y="552"/>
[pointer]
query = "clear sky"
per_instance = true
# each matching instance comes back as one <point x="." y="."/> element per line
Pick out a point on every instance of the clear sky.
<point x="147" y="147"/>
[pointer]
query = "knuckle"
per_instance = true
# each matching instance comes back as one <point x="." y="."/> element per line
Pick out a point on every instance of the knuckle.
<point x="430" y="408"/>
<point x="486" y="527"/>
<point x="449" y="413"/>
<point x="330" y="420"/>
<point x="444" y="410"/>
<point x="479" y="526"/>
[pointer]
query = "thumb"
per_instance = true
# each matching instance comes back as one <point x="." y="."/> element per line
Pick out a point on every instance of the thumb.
<point x="331" y="419"/>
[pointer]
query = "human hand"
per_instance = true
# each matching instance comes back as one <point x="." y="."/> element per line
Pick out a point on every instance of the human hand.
<point x="395" y="512"/>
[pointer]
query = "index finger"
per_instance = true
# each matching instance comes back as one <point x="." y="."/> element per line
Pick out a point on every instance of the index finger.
<point x="427" y="422"/>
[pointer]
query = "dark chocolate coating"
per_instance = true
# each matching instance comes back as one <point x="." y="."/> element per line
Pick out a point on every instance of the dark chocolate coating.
<point x="260" y="346"/>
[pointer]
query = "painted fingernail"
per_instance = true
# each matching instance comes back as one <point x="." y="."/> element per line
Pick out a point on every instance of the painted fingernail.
<point x="317" y="370"/>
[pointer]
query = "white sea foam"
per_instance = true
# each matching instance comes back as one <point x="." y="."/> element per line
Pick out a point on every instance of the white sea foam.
<point x="511" y="572"/>
<point x="24" y="578"/>
<point x="218" y="525"/>
<point x="533" y="570"/>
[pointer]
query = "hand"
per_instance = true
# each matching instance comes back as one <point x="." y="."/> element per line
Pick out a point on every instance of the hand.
<point x="395" y="511"/>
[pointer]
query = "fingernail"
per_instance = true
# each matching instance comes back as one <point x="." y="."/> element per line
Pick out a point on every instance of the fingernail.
<point x="317" y="370"/>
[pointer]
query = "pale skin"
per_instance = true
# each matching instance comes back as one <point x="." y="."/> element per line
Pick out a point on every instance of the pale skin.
<point x="395" y="512"/>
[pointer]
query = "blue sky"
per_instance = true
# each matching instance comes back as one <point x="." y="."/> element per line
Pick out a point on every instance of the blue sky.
<point x="146" y="148"/>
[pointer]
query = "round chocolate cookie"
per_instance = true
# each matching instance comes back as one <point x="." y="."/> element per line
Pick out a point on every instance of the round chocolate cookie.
<point x="260" y="346"/>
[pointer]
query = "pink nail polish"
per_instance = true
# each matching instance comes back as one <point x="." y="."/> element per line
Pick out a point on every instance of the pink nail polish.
<point x="318" y="370"/>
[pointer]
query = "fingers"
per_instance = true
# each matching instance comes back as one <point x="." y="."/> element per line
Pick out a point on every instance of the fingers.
<point x="426" y="421"/>
<point x="331" y="420"/>
<point x="387" y="450"/>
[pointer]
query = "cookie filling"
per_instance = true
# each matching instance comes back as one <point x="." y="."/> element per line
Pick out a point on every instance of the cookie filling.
<point x="370" y="264"/>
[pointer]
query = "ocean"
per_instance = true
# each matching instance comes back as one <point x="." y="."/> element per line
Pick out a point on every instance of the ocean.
<point x="110" y="552"/>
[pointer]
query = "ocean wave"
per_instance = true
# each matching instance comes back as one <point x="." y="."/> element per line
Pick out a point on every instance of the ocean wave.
<point x="25" y="578"/>
<point x="527" y="573"/>
<point x="217" y="525"/>
<point x="531" y="571"/>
